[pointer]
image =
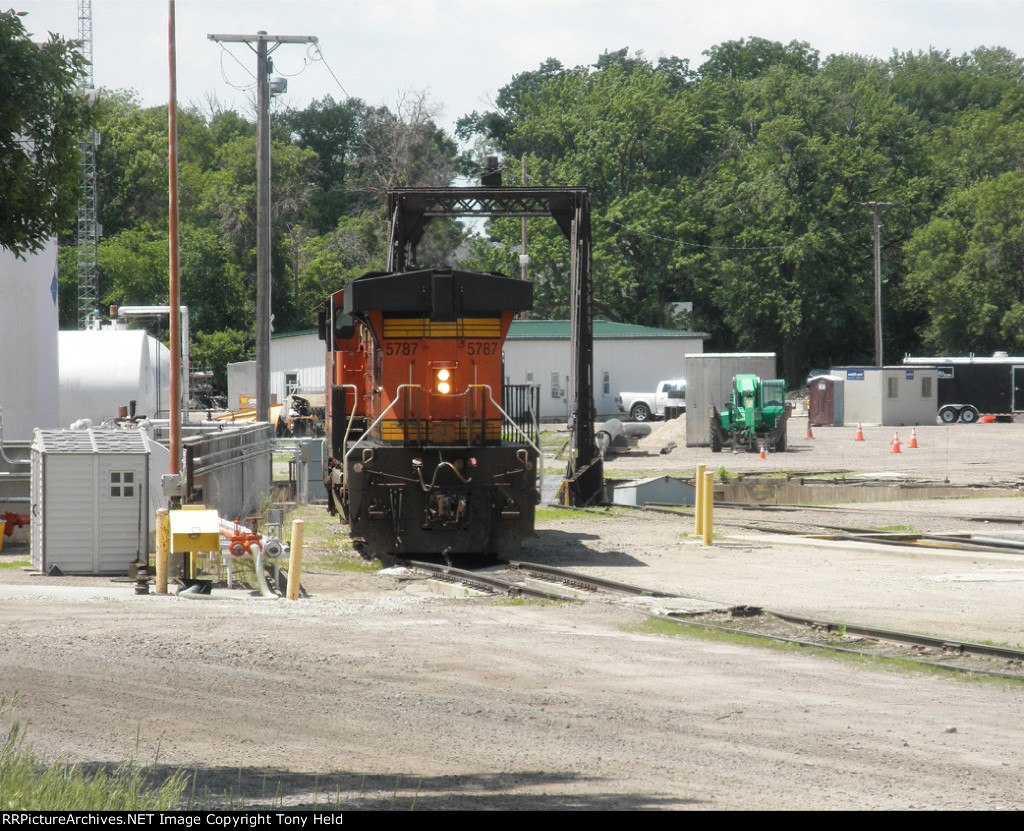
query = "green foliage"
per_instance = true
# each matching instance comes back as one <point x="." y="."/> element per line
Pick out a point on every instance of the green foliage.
<point x="42" y="120"/>
<point x="743" y="60"/>
<point x="330" y="163"/>
<point x="966" y="268"/>
<point x="28" y="784"/>
<point x="742" y="188"/>
<point x="217" y="349"/>
<point x="739" y="187"/>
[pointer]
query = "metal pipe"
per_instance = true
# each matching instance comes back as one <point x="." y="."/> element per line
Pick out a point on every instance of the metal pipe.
<point x="3" y="454"/>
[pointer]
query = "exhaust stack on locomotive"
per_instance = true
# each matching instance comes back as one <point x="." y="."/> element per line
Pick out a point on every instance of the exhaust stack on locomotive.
<point x="425" y="459"/>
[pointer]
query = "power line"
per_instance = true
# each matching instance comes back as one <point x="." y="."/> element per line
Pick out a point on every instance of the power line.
<point x="224" y="76"/>
<point x="320" y="54"/>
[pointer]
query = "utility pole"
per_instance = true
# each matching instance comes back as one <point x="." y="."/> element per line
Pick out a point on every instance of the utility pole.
<point x="263" y="285"/>
<point x="524" y="256"/>
<point x="876" y="209"/>
<point x="174" y="281"/>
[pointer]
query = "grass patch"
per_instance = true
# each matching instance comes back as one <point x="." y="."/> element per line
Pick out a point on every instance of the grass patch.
<point x="547" y="514"/>
<point x="613" y="473"/>
<point x="553" y="438"/>
<point x="900" y="529"/>
<point x="532" y="601"/>
<point x="344" y="563"/>
<point x="27" y="784"/>
<point x="551" y="513"/>
<point x="14" y="563"/>
<point x="669" y="628"/>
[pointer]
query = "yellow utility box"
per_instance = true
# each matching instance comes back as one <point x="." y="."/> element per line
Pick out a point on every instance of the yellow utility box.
<point x="194" y="530"/>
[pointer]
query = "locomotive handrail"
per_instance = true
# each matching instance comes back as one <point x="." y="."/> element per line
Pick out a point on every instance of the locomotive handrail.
<point x="540" y="456"/>
<point x="490" y="395"/>
<point x="351" y="416"/>
<point x="380" y="418"/>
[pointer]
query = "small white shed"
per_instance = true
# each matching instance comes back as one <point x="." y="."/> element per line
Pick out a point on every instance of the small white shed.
<point x="90" y="500"/>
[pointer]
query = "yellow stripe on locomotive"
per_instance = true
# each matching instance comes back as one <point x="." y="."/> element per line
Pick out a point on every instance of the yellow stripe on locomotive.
<point x="440" y="432"/>
<point x="420" y="327"/>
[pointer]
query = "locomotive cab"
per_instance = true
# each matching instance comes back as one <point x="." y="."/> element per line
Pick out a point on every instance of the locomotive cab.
<point x="436" y="465"/>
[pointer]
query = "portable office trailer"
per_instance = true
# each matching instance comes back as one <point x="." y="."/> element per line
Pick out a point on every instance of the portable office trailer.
<point x="893" y="396"/>
<point x="90" y="500"/>
<point x="969" y="388"/>
<point x="709" y="380"/>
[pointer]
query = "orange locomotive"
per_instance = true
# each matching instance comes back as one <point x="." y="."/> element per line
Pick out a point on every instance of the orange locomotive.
<point x="425" y="459"/>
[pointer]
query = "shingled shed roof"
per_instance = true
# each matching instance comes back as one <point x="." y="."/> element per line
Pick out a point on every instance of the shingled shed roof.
<point x="91" y="441"/>
<point x="603" y="330"/>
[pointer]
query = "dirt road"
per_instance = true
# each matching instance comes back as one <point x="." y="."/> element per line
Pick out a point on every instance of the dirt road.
<point x="371" y="694"/>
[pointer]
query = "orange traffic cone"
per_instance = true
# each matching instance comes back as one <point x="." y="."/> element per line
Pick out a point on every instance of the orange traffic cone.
<point x="860" y="433"/>
<point x="809" y="435"/>
<point x="762" y="454"/>
<point x="913" y="438"/>
<point x="895" y="443"/>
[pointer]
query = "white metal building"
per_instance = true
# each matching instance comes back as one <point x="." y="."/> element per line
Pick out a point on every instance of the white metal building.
<point x="626" y="358"/>
<point x="90" y="500"/>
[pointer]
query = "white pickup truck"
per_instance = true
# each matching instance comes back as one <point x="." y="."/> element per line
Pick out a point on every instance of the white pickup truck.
<point x="642" y="406"/>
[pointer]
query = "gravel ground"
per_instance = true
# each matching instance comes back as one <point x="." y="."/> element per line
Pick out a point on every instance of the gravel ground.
<point x="372" y="693"/>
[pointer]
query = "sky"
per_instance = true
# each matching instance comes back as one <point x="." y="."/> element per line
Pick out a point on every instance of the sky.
<point x="459" y="54"/>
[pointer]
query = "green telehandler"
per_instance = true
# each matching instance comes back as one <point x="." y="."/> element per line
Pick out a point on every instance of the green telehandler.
<point x="755" y="417"/>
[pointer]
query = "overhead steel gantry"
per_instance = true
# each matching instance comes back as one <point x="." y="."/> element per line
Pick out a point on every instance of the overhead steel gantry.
<point x="409" y="212"/>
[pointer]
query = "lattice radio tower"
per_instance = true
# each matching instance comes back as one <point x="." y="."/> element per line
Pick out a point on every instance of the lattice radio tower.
<point x="88" y="227"/>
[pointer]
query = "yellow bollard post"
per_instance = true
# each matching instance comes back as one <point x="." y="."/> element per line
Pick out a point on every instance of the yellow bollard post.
<point x="698" y="508"/>
<point x="295" y="560"/>
<point x="163" y="543"/>
<point x="709" y="503"/>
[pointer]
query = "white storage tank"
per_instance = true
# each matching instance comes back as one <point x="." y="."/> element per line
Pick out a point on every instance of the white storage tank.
<point x="90" y="500"/>
<point x="28" y="341"/>
<point x="101" y="370"/>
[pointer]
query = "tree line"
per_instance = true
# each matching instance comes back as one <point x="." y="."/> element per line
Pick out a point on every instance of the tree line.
<point x="739" y="185"/>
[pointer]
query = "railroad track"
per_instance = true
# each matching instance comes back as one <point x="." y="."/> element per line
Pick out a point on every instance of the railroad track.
<point x="545" y="582"/>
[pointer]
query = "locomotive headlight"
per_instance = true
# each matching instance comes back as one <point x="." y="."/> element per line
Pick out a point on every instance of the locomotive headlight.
<point x="442" y="381"/>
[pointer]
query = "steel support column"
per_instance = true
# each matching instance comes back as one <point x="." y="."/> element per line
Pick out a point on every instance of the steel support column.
<point x="410" y="210"/>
